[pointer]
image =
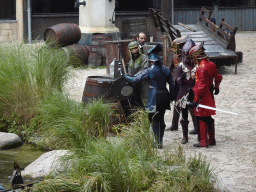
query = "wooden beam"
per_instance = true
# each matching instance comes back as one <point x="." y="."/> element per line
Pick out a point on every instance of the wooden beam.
<point x="160" y="24"/>
<point x="209" y="12"/>
<point x="152" y="13"/>
<point x="183" y="25"/>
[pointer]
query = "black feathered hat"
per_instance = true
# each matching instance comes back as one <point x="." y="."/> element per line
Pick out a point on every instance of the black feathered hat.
<point x="153" y="54"/>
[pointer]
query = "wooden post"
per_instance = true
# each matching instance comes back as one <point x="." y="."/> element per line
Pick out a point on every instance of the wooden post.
<point x="19" y="18"/>
<point x="165" y="49"/>
<point x="216" y="13"/>
<point x="166" y="10"/>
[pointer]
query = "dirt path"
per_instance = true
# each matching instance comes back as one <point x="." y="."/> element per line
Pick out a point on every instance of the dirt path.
<point x="234" y="155"/>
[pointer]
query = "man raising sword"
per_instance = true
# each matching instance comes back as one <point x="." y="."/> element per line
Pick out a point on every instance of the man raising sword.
<point x="204" y="91"/>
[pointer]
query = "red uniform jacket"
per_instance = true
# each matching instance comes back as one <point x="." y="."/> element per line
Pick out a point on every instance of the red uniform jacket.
<point x="206" y="73"/>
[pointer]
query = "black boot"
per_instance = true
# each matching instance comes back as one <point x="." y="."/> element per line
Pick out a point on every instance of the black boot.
<point x="184" y="124"/>
<point x="172" y="128"/>
<point x="160" y="143"/>
<point x="211" y="132"/>
<point x="199" y="145"/>
<point x="175" y="120"/>
<point x="162" y="128"/>
<point x="195" y="123"/>
<point x="194" y="131"/>
<point x="157" y="133"/>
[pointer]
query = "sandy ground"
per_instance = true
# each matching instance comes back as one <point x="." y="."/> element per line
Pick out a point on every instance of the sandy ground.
<point x="234" y="155"/>
<point x="233" y="158"/>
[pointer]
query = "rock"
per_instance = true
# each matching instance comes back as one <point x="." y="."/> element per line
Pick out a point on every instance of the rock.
<point x="9" y="140"/>
<point x="48" y="163"/>
<point x="1" y="187"/>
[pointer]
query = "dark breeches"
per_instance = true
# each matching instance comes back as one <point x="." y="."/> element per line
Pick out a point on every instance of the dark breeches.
<point x="158" y="125"/>
<point x="184" y="113"/>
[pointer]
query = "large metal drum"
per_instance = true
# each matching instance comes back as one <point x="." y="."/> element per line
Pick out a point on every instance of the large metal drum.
<point x="97" y="87"/>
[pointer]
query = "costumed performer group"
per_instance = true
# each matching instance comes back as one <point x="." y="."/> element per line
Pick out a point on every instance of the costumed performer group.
<point x="195" y="80"/>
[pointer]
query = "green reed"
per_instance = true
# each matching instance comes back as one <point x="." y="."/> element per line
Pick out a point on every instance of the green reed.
<point x="27" y="74"/>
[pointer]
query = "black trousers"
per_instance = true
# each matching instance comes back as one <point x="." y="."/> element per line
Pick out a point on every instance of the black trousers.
<point x="184" y="113"/>
<point x="158" y="125"/>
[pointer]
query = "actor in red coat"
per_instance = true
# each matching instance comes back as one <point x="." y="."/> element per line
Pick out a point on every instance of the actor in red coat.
<point x="204" y="91"/>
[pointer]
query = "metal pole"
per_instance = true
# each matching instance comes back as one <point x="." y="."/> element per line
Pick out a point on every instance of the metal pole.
<point x="29" y="21"/>
<point x="172" y="12"/>
<point x="216" y="14"/>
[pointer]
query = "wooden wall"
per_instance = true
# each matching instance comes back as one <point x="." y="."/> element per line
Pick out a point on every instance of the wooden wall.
<point x="244" y="18"/>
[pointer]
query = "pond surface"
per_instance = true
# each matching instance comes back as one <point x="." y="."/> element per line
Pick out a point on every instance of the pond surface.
<point x="24" y="155"/>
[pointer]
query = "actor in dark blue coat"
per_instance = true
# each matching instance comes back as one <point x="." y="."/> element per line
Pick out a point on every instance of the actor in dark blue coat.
<point x="158" y="96"/>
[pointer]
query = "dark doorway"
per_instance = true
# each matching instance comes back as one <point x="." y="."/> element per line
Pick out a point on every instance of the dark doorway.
<point x="134" y="5"/>
<point x="53" y="6"/>
<point x="7" y="9"/>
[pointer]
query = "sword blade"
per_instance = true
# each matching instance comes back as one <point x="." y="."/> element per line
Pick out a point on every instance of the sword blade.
<point x="177" y="110"/>
<point x="215" y="109"/>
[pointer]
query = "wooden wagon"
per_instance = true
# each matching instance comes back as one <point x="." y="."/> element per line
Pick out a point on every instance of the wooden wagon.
<point x="219" y="41"/>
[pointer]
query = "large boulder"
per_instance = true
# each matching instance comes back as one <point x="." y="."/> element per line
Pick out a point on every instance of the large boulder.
<point x="9" y="140"/>
<point x="48" y="163"/>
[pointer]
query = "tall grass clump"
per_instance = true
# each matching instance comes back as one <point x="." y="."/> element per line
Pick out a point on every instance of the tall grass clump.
<point x="62" y="122"/>
<point x="16" y="93"/>
<point x="98" y="118"/>
<point x="121" y="164"/>
<point x="27" y="74"/>
<point x="50" y="69"/>
<point x="114" y="164"/>
<point x="70" y="124"/>
<point x="138" y="133"/>
<point x="60" y="183"/>
<point x="201" y="173"/>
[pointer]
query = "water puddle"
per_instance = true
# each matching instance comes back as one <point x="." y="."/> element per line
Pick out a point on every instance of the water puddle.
<point x="24" y="155"/>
